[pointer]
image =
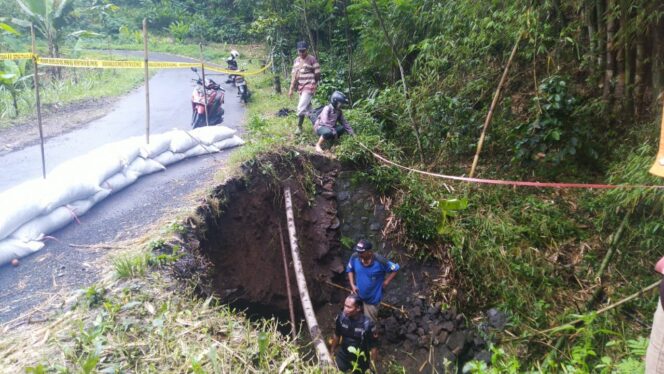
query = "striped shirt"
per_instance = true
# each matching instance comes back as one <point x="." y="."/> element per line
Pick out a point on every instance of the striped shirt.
<point x="305" y="72"/>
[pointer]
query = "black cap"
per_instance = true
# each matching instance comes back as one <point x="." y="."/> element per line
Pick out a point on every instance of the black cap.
<point x="363" y="245"/>
<point x="302" y="45"/>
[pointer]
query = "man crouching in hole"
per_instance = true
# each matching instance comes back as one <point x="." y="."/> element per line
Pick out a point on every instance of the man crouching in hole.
<point x="354" y="329"/>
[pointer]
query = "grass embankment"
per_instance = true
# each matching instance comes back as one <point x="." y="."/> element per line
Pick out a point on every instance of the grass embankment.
<point x="140" y="319"/>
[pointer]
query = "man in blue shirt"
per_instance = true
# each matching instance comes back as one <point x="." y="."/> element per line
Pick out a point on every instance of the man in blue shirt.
<point x="367" y="276"/>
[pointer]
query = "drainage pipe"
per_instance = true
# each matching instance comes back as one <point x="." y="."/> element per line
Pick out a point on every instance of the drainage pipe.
<point x="309" y="314"/>
<point x="288" y="284"/>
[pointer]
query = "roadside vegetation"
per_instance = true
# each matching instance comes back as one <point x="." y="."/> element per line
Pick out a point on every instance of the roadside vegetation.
<point x="582" y="104"/>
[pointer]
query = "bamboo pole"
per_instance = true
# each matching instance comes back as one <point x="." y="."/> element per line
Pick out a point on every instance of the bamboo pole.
<point x="309" y="314"/>
<point x="291" y="310"/>
<point x="147" y="81"/>
<point x="494" y="102"/>
<point x="207" y="122"/>
<point x="38" y="101"/>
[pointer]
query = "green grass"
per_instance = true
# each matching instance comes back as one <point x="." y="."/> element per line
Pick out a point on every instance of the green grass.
<point x="76" y="85"/>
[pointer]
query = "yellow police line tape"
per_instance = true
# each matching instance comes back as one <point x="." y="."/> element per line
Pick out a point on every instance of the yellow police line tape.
<point x="122" y="64"/>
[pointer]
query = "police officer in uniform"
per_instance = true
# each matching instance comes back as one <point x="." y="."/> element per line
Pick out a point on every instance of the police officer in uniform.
<point x="354" y="329"/>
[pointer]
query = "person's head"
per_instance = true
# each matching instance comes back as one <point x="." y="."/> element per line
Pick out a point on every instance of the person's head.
<point x="364" y="249"/>
<point x="352" y="306"/>
<point x="302" y="48"/>
<point x="338" y="99"/>
<point x="235" y="54"/>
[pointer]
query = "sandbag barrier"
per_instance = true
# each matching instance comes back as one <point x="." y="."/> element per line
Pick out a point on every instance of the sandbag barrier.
<point x="36" y="208"/>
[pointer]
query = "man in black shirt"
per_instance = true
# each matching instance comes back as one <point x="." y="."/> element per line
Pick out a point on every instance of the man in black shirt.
<point x="354" y="329"/>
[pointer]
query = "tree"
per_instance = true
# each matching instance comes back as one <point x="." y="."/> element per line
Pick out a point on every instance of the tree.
<point x="48" y="17"/>
<point x="12" y="75"/>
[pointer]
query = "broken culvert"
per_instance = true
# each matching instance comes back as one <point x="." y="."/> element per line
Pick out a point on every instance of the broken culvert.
<point x="234" y="252"/>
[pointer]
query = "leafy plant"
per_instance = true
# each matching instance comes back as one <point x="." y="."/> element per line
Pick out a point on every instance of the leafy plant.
<point x="555" y="135"/>
<point x="179" y="30"/>
<point x="13" y="76"/>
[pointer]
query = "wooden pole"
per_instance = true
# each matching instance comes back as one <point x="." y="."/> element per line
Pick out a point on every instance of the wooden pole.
<point x="147" y="81"/>
<point x="207" y="123"/>
<point x="489" y="115"/>
<point x="291" y="310"/>
<point x="309" y="314"/>
<point x="38" y="101"/>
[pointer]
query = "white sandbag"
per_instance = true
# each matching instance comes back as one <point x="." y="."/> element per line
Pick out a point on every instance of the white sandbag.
<point x="65" y="190"/>
<point x="229" y="143"/>
<point x="14" y="248"/>
<point x="142" y="166"/>
<point x="94" y="167"/>
<point x="212" y="134"/>
<point x="182" y="141"/>
<point x="20" y="204"/>
<point x="168" y="157"/>
<point x="158" y="145"/>
<point x="126" y="150"/>
<point x="44" y="225"/>
<point x="80" y="207"/>
<point x="201" y="150"/>
<point x="119" y="181"/>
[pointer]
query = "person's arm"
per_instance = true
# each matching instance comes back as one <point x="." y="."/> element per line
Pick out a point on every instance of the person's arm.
<point x="334" y="343"/>
<point x="351" y="280"/>
<point x="389" y="279"/>
<point x="294" y="74"/>
<point x="316" y="70"/>
<point x="392" y="269"/>
<point x="346" y="125"/>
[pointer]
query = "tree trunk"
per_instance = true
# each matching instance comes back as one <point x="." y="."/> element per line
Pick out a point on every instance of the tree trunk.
<point x="14" y="102"/>
<point x="349" y="51"/>
<point x="609" y="72"/>
<point x="309" y="314"/>
<point x="601" y="35"/>
<point x="657" y="60"/>
<point x="589" y="16"/>
<point x="639" y="78"/>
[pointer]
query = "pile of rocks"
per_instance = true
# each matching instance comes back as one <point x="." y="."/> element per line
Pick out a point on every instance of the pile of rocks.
<point x="429" y="328"/>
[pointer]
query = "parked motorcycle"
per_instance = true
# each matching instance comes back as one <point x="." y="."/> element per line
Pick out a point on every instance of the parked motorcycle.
<point x="215" y="99"/>
<point x="242" y="88"/>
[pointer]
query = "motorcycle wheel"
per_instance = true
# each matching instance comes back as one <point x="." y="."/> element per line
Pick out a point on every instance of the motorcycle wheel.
<point x="244" y="94"/>
<point x="198" y="121"/>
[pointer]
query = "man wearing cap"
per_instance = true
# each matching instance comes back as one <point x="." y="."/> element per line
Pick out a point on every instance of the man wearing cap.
<point x="367" y="276"/>
<point x="305" y="74"/>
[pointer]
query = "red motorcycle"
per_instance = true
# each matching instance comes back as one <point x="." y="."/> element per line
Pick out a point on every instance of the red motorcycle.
<point x="213" y="96"/>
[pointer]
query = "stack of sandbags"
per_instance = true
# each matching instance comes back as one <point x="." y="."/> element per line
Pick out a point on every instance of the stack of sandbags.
<point x="37" y="208"/>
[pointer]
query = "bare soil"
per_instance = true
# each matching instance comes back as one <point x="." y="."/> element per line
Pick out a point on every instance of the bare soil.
<point x="56" y="120"/>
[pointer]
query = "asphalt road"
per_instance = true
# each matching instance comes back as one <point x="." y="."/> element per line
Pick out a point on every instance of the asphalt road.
<point x="127" y="214"/>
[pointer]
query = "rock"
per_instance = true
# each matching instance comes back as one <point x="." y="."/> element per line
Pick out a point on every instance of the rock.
<point x="441" y="338"/>
<point x="415" y="312"/>
<point x="15" y="262"/>
<point x="484" y="356"/>
<point x="335" y="223"/>
<point x="456" y="342"/>
<point x="435" y="329"/>
<point x="329" y="186"/>
<point x="497" y="319"/>
<point x="423" y="341"/>
<point x="412" y="326"/>
<point x="375" y="226"/>
<point x="412" y="337"/>
<point x="448" y="326"/>
<point x="445" y="354"/>
<point x="343" y="195"/>
<point x="329" y="195"/>
<point x="432" y="310"/>
<point x="420" y="331"/>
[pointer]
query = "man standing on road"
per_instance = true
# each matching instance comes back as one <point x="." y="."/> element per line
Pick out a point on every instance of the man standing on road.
<point x="354" y="329"/>
<point x="305" y="74"/>
<point x="366" y="274"/>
